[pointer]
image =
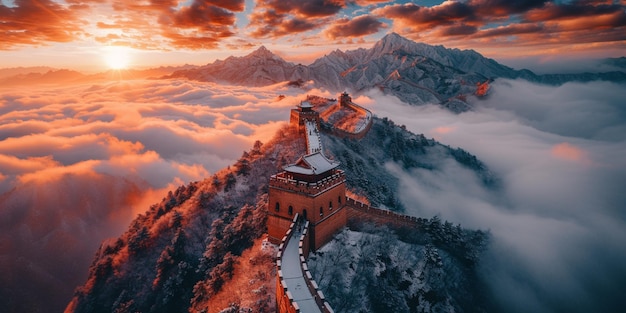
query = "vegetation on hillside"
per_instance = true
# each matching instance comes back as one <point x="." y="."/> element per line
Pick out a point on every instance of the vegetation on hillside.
<point x="199" y="249"/>
<point x="376" y="269"/>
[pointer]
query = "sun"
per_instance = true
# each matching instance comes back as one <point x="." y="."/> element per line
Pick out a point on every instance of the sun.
<point x="117" y="57"/>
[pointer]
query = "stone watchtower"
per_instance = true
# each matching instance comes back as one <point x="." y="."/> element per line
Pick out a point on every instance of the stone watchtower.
<point x="345" y="99"/>
<point x="314" y="188"/>
<point x="304" y="113"/>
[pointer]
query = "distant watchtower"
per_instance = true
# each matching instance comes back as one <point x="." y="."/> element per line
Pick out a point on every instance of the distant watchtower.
<point x="314" y="188"/>
<point x="304" y="113"/>
<point x="345" y="99"/>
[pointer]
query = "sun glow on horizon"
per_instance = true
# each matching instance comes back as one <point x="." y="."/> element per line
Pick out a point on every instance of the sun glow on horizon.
<point x="117" y="57"/>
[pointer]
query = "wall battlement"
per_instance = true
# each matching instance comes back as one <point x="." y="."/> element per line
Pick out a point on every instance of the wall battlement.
<point x="281" y="181"/>
<point x="288" y="291"/>
<point x="360" y="212"/>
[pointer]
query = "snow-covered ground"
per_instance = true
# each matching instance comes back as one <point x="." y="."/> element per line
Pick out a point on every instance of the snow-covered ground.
<point x="376" y="272"/>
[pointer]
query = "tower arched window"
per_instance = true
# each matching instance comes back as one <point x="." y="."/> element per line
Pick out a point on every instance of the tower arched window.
<point x="339" y="199"/>
<point x="277" y="207"/>
<point x="321" y="211"/>
<point x="330" y="205"/>
<point x="290" y="210"/>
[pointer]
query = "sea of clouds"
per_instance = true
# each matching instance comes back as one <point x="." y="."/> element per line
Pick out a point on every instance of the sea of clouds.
<point x="559" y="220"/>
<point x="79" y="162"/>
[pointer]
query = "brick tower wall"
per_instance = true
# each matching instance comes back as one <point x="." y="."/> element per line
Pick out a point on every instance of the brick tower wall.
<point x="323" y="232"/>
<point x="276" y="227"/>
<point x="302" y="198"/>
<point x="294" y="118"/>
<point x="297" y="118"/>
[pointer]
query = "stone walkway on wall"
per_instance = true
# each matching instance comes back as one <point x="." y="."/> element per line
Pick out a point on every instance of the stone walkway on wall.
<point x="313" y="140"/>
<point x="293" y="277"/>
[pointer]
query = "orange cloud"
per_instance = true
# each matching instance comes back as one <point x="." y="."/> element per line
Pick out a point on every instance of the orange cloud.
<point x="13" y="164"/>
<point x="440" y="131"/>
<point x="486" y="24"/>
<point x="163" y="24"/>
<point x="274" y="18"/>
<point x="569" y="152"/>
<point x="52" y="174"/>
<point x="39" y="22"/>
<point x="155" y="130"/>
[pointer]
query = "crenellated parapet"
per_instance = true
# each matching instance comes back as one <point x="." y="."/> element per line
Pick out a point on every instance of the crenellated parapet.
<point x="312" y="189"/>
<point x="302" y="114"/>
<point x="284" y="298"/>
<point x="293" y="273"/>
<point x="303" y="254"/>
<point x="359" y="211"/>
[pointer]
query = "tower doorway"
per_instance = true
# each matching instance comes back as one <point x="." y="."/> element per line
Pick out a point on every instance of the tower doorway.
<point x="304" y="214"/>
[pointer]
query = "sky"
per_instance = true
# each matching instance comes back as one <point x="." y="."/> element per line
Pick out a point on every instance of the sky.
<point x="78" y="34"/>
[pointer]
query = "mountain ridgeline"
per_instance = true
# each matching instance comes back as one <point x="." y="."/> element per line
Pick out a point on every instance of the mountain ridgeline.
<point x="188" y="252"/>
<point x="416" y="73"/>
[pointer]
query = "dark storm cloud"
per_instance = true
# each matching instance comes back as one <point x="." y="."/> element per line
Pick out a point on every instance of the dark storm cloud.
<point x="558" y="223"/>
<point x="355" y="27"/>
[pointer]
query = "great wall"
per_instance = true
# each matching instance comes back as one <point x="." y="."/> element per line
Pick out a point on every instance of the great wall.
<point x="307" y="205"/>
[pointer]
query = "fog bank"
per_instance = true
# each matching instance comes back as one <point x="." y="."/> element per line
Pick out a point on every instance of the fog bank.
<point x="559" y="222"/>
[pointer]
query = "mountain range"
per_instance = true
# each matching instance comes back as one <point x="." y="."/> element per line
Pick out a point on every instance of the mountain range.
<point x="416" y="73"/>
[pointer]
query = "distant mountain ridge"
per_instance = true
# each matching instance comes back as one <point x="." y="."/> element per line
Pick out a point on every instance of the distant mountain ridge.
<point x="417" y="73"/>
<point x="13" y="71"/>
<point x="49" y="75"/>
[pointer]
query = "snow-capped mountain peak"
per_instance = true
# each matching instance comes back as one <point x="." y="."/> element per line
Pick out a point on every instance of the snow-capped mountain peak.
<point x="391" y="42"/>
<point x="263" y="53"/>
<point x="415" y="72"/>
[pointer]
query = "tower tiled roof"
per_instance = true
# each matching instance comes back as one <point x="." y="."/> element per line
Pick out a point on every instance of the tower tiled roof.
<point x="312" y="164"/>
<point x="305" y="104"/>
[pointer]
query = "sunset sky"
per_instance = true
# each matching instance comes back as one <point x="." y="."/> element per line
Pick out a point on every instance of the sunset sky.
<point x="78" y="34"/>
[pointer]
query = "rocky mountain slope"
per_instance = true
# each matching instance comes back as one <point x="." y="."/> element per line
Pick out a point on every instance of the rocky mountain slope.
<point x="375" y="269"/>
<point x="416" y="73"/>
<point x="185" y="253"/>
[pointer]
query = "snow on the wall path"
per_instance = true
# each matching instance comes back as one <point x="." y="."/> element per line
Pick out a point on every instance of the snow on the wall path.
<point x="314" y="144"/>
